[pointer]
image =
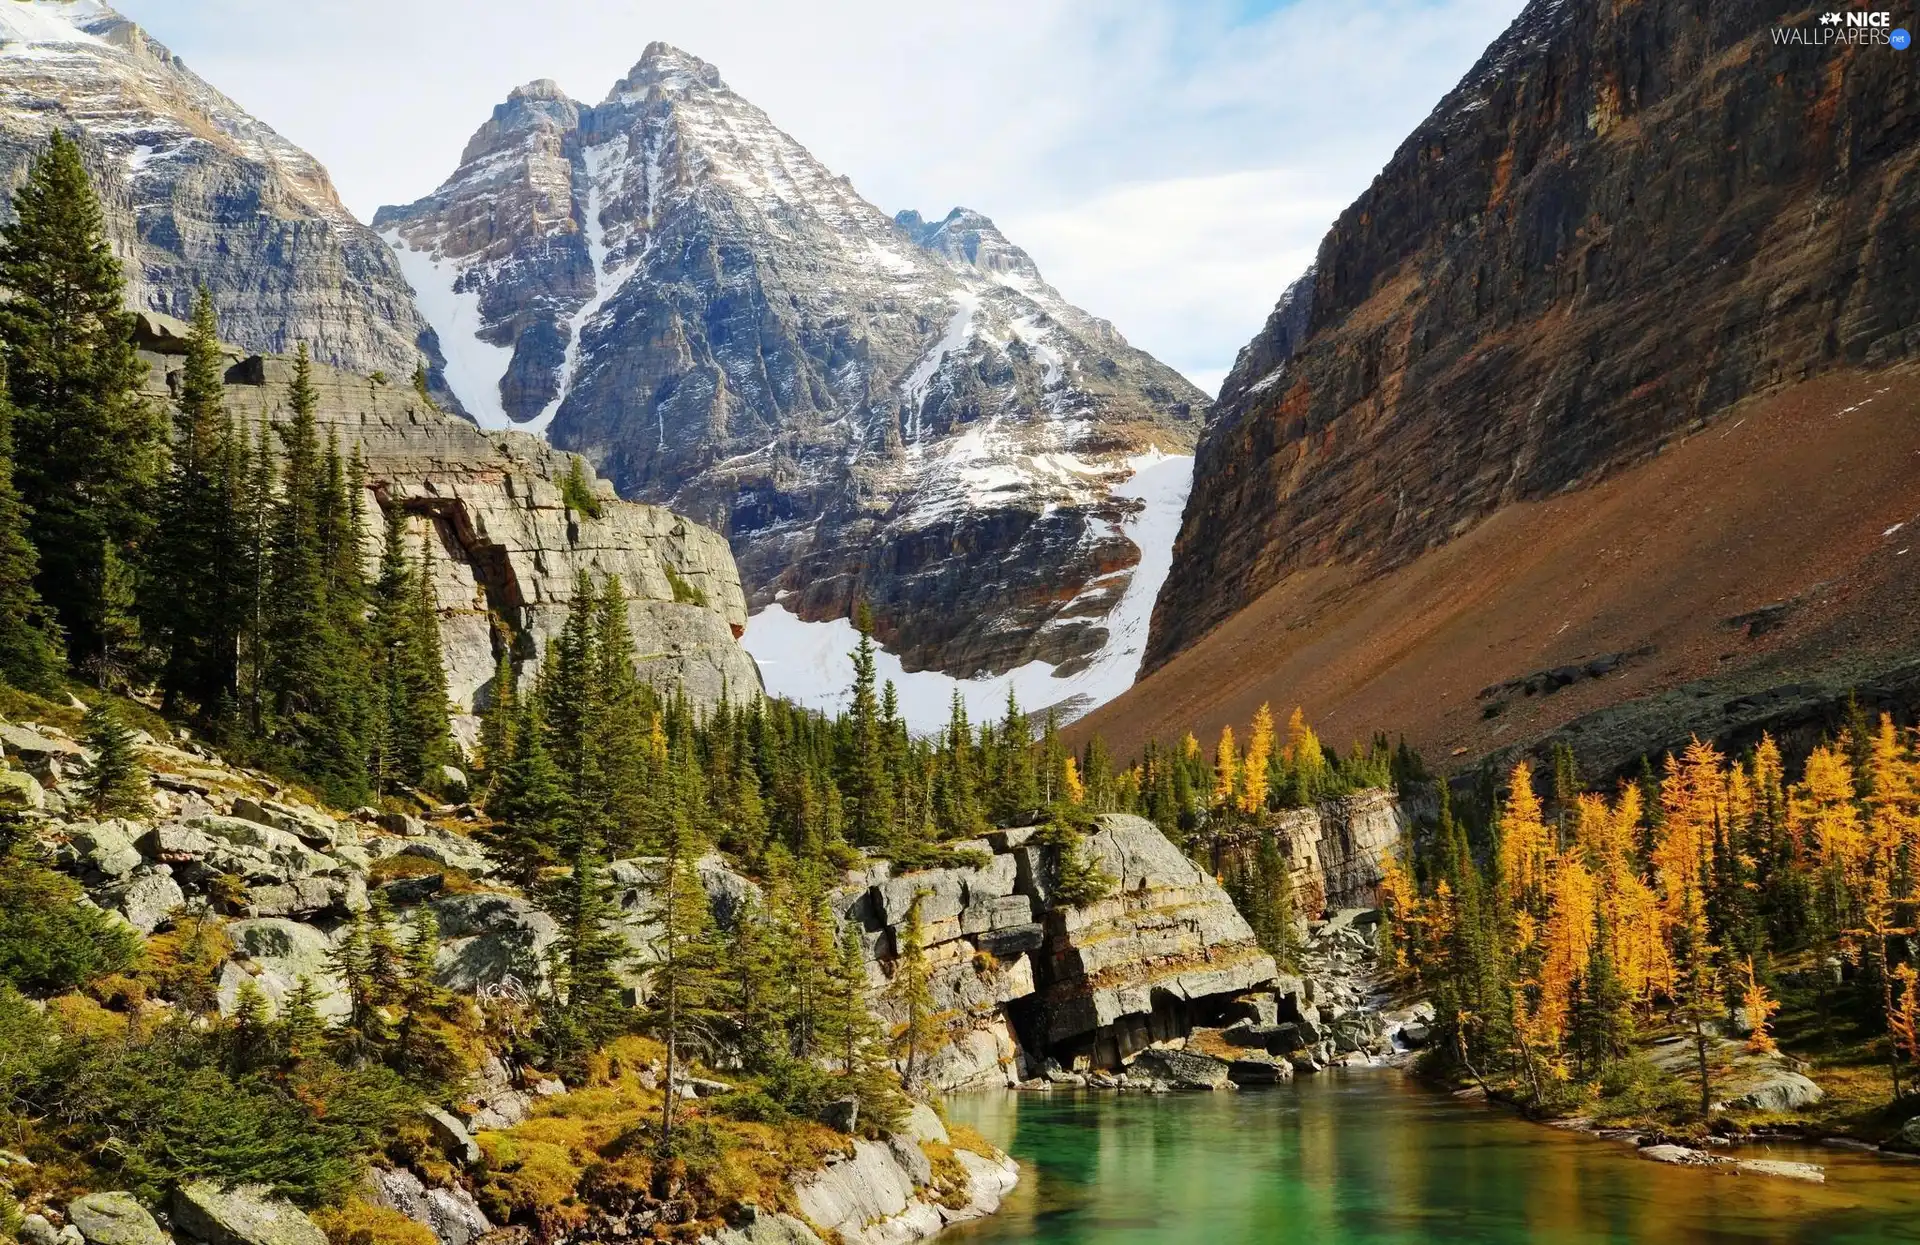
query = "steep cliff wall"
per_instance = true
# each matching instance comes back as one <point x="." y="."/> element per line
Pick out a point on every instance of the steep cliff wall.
<point x="505" y="543"/>
<point x="1627" y="218"/>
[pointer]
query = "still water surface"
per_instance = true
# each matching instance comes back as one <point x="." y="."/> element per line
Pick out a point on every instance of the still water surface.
<point x="1368" y="1156"/>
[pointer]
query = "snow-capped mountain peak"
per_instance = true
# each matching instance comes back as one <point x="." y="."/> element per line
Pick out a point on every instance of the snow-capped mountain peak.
<point x="667" y="67"/>
<point x="885" y="408"/>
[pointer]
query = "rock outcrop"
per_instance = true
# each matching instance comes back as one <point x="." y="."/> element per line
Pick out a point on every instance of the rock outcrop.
<point x="1336" y="849"/>
<point x="506" y="544"/>
<point x="900" y="412"/>
<point x="1022" y="979"/>
<point x="1625" y="219"/>
<point x="197" y="191"/>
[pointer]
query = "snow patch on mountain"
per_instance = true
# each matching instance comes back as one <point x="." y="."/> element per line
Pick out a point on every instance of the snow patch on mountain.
<point x="474" y="368"/>
<point x="49" y="22"/>
<point x="812" y="662"/>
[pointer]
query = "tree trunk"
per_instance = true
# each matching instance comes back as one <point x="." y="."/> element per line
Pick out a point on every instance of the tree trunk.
<point x="1706" y="1079"/>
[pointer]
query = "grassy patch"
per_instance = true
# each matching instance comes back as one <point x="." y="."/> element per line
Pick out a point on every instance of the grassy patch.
<point x="684" y="593"/>
<point x="597" y="1148"/>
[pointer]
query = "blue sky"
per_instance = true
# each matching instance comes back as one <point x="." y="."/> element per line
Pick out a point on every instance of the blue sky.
<point x="1171" y="164"/>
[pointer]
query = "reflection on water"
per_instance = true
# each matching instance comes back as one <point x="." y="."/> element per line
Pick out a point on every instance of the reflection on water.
<point x="1367" y="1156"/>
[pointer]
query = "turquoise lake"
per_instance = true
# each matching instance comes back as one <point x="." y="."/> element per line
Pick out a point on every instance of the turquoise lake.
<point x="1368" y="1155"/>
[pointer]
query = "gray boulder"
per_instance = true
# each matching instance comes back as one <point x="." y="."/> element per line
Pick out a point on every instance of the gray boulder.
<point x="148" y="898"/>
<point x="105" y="848"/>
<point x="1910" y="1134"/>
<point x="115" y="1219"/>
<point x="1260" y="1069"/>
<point x="281" y="952"/>
<point x="35" y="1230"/>
<point x="489" y="938"/>
<point x="249" y="1215"/>
<point x="452" y="1136"/>
<point x="1184" y="1070"/>
<point x="1779" y="1089"/>
<point x="20" y="791"/>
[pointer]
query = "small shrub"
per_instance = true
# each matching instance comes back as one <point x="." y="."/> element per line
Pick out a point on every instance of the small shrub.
<point x="576" y="493"/>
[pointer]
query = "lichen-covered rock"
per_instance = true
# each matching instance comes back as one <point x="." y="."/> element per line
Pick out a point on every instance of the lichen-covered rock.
<point x="148" y="898"/>
<point x="281" y="953"/>
<point x="115" y="1219"/>
<point x="490" y="938"/>
<point x="20" y="792"/>
<point x="242" y="1216"/>
<point x="105" y="848"/>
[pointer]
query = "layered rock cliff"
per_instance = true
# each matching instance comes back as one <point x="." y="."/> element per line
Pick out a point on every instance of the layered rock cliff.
<point x="890" y="410"/>
<point x="1022" y="981"/>
<point x="506" y="545"/>
<point x="1624" y="220"/>
<point x="197" y="191"/>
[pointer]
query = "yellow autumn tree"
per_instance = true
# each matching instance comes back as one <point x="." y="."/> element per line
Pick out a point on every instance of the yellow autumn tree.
<point x="1904" y="1022"/>
<point x="1608" y="834"/>
<point x="1692" y="806"/>
<point x="1566" y="945"/>
<point x="1303" y="753"/>
<point x="1226" y="769"/>
<point x="1253" y="775"/>
<point x="1399" y="900"/>
<point x="1526" y="845"/>
<point x="1760" y="1007"/>
<point x="1070" y="784"/>
<point x="1826" y="825"/>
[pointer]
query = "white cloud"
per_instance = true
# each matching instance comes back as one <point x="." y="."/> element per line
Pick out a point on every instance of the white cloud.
<point x="1169" y="163"/>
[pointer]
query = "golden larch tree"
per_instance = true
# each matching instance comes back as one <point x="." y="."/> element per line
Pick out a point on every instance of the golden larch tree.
<point x="1253" y="775"/>
<point x="1226" y="769"/>
<point x="1526" y="845"/>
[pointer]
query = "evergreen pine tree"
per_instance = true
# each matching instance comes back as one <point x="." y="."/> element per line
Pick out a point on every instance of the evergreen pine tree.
<point x="31" y="656"/>
<point x="427" y="673"/>
<point x="852" y="1035"/>
<point x="687" y="989"/>
<point x="586" y="960"/>
<point x="910" y="994"/>
<point x="867" y="786"/>
<point x="302" y="1031"/>
<point x="114" y="781"/>
<point x="88" y="447"/>
<point x="528" y="802"/>
<point x="196" y="596"/>
<point x="1015" y="792"/>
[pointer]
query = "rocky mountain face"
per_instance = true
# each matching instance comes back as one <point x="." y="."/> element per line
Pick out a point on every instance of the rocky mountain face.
<point x="196" y="190"/>
<point x="1625" y="219"/>
<point x="505" y="543"/>
<point x="893" y="410"/>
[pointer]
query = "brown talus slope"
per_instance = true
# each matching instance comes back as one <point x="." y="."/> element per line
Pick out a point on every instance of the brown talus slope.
<point x="1626" y="219"/>
<point x="1747" y="578"/>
